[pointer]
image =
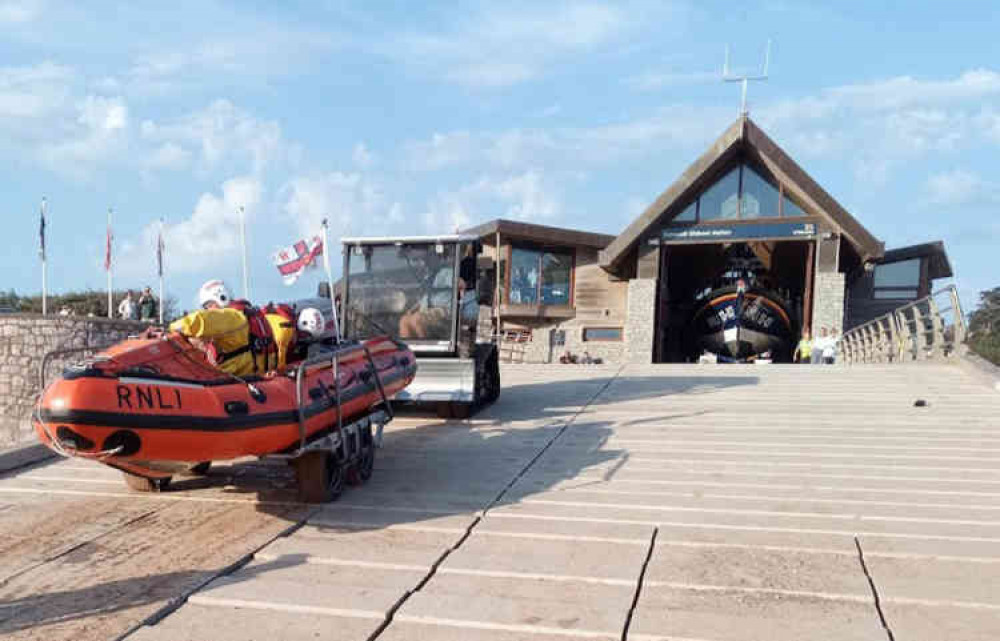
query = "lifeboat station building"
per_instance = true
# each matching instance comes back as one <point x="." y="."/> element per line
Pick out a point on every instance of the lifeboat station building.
<point x="744" y="217"/>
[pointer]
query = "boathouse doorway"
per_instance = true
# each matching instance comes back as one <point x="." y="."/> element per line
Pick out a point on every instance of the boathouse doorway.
<point x="695" y="279"/>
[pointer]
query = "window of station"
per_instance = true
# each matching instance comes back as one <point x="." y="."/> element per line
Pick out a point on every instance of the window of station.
<point x="602" y="334"/>
<point x="721" y="200"/>
<point x="759" y="198"/>
<point x="899" y="280"/>
<point x="540" y="277"/>
<point x="743" y="193"/>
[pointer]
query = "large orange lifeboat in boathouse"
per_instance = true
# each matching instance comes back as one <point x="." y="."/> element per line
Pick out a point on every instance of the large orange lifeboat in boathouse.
<point x="154" y="407"/>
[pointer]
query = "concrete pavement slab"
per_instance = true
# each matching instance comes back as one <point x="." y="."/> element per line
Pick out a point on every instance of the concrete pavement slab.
<point x="890" y="546"/>
<point x="769" y="569"/>
<point x="390" y="547"/>
<point x="195" y="622"/>
<point x="931" y="579"/>
<point x="446" y="630"/>
<point x="729" y="615"/>
<point x="542" y="527"/>
<point x="453" y="501"/>
<point x="914" y="622"/>
<point x="780" y="489"/>
<point x="290" y="581"/>
<point x="749" y="501"/>
<point x="762" y="519"/>
<point x="571" y="606"/>
<point x="580" y="558"/>
<point x="335" y="516"/>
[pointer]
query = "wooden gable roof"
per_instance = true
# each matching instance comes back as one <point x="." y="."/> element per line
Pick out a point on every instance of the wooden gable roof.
<point x="743" y="136"/>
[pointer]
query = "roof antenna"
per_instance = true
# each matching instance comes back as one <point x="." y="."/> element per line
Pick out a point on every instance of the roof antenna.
<point x="728" y="76"/>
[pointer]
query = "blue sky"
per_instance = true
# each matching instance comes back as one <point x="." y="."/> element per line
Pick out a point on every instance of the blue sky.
<point x="396" y="117"/>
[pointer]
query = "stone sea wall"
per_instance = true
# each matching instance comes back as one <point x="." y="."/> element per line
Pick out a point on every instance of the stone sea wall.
<point x="24" y="341"/>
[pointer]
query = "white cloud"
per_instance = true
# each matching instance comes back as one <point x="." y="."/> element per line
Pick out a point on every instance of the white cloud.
<point x="439" y="151"/>
<point x="224" y="135"/>
<point x="351" y="202"/>
<point x="170" y="156"/>
<point x="960" y="187"/>
<point x="678" y="127"/>
<point x="19" y="11"/>
<point x="522" y="196"/>
<point x="33" y="92"/>
<point x="882" y="124"/>
<point x="362" y="156"/>
<point x="99" y="134"/>
<point x="502" y="45"/>
<point x="904" y="91"/>
<point x="207" y="239"/>
<point x="270" y="50"/>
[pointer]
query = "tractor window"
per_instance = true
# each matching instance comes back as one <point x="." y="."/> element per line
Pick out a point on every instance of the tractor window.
<point x="405" y="291"/>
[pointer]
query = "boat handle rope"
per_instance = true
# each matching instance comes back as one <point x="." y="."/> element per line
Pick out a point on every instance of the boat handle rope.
<point x="62" y="450"/>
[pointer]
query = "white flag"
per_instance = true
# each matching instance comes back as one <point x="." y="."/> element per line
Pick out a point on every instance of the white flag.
<point x="292" y="261"/>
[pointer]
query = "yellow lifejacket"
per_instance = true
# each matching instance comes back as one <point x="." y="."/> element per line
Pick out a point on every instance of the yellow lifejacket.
<point x="227" y="330"/>
<point x="284" y="333"/>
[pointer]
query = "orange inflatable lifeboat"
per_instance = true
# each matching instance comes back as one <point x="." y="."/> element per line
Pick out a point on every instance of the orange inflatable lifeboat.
<point x="154" y="407"/>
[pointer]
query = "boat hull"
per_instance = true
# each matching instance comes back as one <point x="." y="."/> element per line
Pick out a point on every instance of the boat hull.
<point x="739" y="327"/>
<point x="156" y="425"/>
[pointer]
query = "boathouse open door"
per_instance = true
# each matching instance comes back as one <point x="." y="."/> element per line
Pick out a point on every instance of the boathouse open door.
<point x="743" y="230"/>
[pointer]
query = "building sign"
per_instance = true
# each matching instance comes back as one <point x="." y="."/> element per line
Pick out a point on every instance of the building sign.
<point x="726" y="233"/>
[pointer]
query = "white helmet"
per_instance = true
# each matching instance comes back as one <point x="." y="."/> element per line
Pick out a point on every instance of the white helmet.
<point x="311" y="321"/>
<point x="214" y="291"/>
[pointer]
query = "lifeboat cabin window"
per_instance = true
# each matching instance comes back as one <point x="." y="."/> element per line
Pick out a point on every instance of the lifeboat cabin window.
<point x="742" y="193"/>
<point x="898" y="281"/>
<point x="540" y="277"/>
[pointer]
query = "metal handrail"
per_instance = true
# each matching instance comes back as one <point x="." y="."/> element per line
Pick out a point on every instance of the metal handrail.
<point x="47" y="358"/>
<point x="334" y="360"/>
<point x="915" y="331"/>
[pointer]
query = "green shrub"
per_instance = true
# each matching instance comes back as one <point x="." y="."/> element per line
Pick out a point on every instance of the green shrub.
<point x="984" y="326"/>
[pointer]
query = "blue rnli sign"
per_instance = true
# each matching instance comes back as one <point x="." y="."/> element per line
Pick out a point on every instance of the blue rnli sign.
<point x="725" y="233"/>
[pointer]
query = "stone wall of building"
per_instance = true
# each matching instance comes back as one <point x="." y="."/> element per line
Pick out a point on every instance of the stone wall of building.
<point x="539" y="348"/>
<point x="640" y="323"/>
<point x="24" y="341"/>
<point x="828" y="301"/>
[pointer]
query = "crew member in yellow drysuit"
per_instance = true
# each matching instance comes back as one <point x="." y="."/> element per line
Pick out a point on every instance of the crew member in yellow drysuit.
<point x="226" y="330"/>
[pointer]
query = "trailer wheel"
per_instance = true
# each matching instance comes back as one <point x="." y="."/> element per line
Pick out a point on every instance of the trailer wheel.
<point x="363" y="469"/>
<point x="144" y="484"/>
<point x="201" y="469"/>
<point x="319" y="476"/>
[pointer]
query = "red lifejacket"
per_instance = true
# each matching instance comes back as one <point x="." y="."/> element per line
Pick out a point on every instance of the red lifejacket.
<point x="260" y="341"/>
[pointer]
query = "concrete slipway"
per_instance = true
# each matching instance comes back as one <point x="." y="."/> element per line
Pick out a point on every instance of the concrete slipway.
<point x="705" y="503"/>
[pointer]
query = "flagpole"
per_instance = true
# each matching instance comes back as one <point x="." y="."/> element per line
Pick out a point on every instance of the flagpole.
<point x="329" y="279"/>
<point x="45" y="289"/>
<point x="243" y="242"/>
<point x="108" y="260"/>
<point x="159" y="266"/>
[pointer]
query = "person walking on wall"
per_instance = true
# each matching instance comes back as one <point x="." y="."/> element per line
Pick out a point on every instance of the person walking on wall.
<point x="803" y="351"/>
<point x="127" y="309"/>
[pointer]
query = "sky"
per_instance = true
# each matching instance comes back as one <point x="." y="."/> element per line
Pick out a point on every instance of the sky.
<point x="402" y="117"/>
